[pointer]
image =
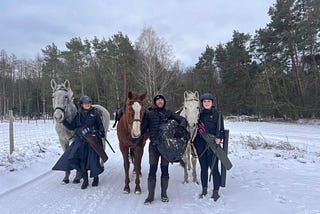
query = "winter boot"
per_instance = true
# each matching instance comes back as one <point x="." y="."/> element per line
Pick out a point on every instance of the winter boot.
<point x="151" y="188"/>
<point x="85" y="182"/>
<point x="164" y="187"/>
<point x="95" y="181"/>
<point x="215" y="195"/>
<point x="204" y="192"/>
<point x="84" y="175"/>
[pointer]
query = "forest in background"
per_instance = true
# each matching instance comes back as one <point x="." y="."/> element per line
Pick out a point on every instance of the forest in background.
<point x="273" y="73"/>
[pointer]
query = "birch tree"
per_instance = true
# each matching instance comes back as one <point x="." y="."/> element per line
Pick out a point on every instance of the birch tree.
<point x="155" y="59"/>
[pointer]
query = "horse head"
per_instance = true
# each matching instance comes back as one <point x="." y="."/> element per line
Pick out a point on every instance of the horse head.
<point x="191" y="108"/>
<point x="62" y="96"/>
<point x="134" y="111"/>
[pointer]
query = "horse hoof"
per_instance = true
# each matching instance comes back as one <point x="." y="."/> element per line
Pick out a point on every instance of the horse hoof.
<point x="126" y="191"/>
<point x="137" y="192"/>
<point x="76" y="180"/>
<point x="65" y="181"/>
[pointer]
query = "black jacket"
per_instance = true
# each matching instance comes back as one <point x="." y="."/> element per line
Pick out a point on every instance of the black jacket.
<point x="210" y="120"/>
<point x="156" y="117"/>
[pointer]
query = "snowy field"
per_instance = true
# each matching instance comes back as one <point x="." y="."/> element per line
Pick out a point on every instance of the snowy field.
<point x="275" y="170"/>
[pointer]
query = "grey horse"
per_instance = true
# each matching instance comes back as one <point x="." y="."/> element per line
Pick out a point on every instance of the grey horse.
<point x="65" y="109"/>
<point x="191" y="111"/>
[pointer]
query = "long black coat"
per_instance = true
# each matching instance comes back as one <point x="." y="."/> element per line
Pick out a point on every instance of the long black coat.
<point x="210" y="120"/>
<point x="80" y="150"/>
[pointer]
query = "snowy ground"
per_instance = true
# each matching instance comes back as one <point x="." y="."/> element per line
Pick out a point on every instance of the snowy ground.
<point x="275" y="170"/>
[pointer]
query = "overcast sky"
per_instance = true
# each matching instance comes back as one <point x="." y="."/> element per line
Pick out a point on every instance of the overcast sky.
<point x="187" y="25"/>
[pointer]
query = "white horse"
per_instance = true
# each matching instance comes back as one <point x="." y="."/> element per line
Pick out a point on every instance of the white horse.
<point x="65" y="109"/>
<point x="190" y="111"/>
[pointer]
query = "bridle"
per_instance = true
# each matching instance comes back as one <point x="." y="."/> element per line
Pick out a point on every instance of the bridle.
<point x="132" y="101"/>
<point x="193" y="134"/>
<point x="64" y="108"/>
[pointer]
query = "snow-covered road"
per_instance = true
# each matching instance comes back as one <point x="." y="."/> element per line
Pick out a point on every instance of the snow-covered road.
<point x="261" y="180"/>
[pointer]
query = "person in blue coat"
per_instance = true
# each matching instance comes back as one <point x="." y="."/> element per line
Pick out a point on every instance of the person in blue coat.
<point x="208" y="122"/>
<point x="81" y="155"/>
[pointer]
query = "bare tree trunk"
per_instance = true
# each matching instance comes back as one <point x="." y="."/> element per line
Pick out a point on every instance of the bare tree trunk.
<point x="156" y="64"/>
<point x="81" y="79"/>
<point x="295" y="64"/>
<point x="269" y="90"/>
<point x="124" y="83"/>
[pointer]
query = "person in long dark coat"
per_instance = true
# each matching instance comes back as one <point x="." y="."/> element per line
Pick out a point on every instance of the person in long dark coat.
<point x="208" y="122"/>
<point x="152" y="120"/>
<point x="81" y="155"/>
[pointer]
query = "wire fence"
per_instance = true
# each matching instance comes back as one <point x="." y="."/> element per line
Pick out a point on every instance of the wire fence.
<point x="23" y="140"/>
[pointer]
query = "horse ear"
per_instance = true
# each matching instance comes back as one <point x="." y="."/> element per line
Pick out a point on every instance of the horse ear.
<point x="130" y="95"/>
<point x="185" y="94"/>
<point x="67" y="84"/>
<point x="143" y="96"/>
<point x="70" y="93"/>
<point x="53" y="84"/>
<point x="197" y="94"/>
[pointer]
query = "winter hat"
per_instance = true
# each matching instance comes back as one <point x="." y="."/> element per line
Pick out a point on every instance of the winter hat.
<point x="159" y="96"/>
<point x="85" y="99"/>
<point x="206" y="96"/>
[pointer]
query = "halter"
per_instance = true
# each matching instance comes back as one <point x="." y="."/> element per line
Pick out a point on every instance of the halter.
<point x="193" y="134"/>
<point x="192" y="99"/>
<point x="59" y="107"/>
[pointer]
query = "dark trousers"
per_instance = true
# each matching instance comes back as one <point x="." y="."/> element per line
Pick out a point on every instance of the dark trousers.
<point x="206" y="161"/>
<point x="154" y="156"/>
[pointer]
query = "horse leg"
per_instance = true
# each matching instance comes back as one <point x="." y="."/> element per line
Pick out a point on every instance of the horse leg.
<point x="64" y="144"/>
<point x="138" y="152"/>
<point x="188" y="156"/>
<point x="66" y="177"/>
<point x="125" y="153"/>
<point x="185" y="159"/>
<point x="194" y="167"/>
<point x="104" y="148"/>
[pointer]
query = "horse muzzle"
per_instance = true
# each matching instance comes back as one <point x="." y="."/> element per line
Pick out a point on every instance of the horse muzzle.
<point x="136" y="134"/>
<point x="58" y="115"/>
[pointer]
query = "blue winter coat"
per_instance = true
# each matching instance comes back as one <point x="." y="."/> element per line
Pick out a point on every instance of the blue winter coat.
<point x="80" y="150"/>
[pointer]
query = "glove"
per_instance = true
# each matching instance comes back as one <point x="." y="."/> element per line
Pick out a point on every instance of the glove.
<point x="201" y="128"/>
<point x="85" y="130"/>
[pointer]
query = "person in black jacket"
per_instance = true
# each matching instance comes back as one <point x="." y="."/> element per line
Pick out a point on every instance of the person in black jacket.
<point x="152" y="121"/>
<point x="208" y="122"/>
<point x="82" y="156"/>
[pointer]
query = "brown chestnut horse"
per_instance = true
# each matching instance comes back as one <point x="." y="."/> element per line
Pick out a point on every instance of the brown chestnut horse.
<point x="128" y="128"/>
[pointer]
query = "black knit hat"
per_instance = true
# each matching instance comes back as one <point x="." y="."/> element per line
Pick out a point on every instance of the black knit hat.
<point x="159" y="96"/>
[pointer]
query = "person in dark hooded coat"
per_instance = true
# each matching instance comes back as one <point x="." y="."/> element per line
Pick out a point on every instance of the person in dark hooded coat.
<point x="80" y="155"/>
<point x="152" y="120"/>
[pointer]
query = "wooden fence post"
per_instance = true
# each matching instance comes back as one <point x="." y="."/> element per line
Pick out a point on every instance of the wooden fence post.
<point x="11" y="131"/>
